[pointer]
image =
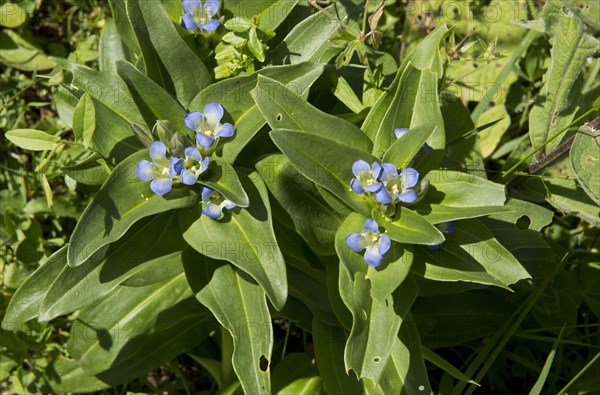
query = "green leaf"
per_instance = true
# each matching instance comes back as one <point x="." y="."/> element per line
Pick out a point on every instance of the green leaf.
<point x="284" y="108"/>
<point x="151" y="249"/>
<point x="471" y="254"/>
<point x="587" y="10"/>
<point x="559" y="98"/>
<point x="255" y="46"/>
<point x="89" y="171"/>
<point x="109" y="89"/>
<point x="309" y="40"/>
<point x="329" y="351"/>
<point x="25" y="303"/>
<point x="122" y="200"/>
<point x="243" y="237"/>
<point x="241" y="307"/>
<point x="403" y="150"/>
<point x="222" y="177"/>
<point x="31" y="139"/>
<point x="111" y="48"/>
<point x="17" y="52"/>
<point x="312" y="217"/>
<point x="585" y="159"/>
<point x="234" y="96"/>
<point x="185" y="71"/>
<point x="343" y="91"/>
<point x="446" y="366"/>
<point x="311" y="155"/>
<point x="408" y="227"/>
<point x="122" y="337"/>
<point x="295" y="374"/>
<point x="153" y="102"/>
<point x="84" y="119"/>
<point x="12" y="15"/>
<point x="488" y="139"/>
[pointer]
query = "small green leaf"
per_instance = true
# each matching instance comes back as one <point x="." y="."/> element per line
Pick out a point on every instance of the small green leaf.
<point x="31" y="139"/>
<point x="84" y="120"/>
<point x="585" y="160"/>
<point x="238" y="24"/>
<point x="255" y="46"/>
<point x="21" y="54"/>
<point x="222" y="177"/>
<point x="403" y="150"/>
<point x="408" y="227"/>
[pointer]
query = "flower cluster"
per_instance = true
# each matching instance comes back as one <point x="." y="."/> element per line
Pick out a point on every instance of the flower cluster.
<point x="385" y="182"/>
<point x="187" y="161"/>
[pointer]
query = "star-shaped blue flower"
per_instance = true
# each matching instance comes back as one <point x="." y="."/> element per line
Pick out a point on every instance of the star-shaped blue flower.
<point x="161" y="170"/>
<point x="397" y="187"/>
<point x="366" y="177"/>
<point x="199" y="15"/>
<point x="375" y="243"/>
<point x="193" y="166"/>
<point x="215" y="203"/>
<point x="208" y="125"/>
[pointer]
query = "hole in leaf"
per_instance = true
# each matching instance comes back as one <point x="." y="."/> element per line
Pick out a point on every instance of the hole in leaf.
<point x="279" y="117"/>
<point x="263" y="363"/>
<point x="376" y="359"/>
<point x="523" y="222"/>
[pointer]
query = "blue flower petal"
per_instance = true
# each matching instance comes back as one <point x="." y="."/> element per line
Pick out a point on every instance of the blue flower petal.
<point x="204" y="140"/>
<point x="374" y="187"/>
<point x="355" y="241"/>
<point x="212" y="211"/>
<point x="384" y="244"/>
<point x="192" y="152"/>
<point x="373" y="257"/>
<point x="205" y="192"/>
<point x="399" y="132"/>
<point x="193" y="120"/>
<point x="377" y="170"/>
<point x="204" y="165"/>
<point x="211" y="25"/>
<point x="435" y="247"/>
<point x="410" y="177"/>
<point x="389" y="170"/>
<point x="229" y="205"/>
<point x="383" y="196"/>
<point x="190" y="5"/>
<point x="175" y="166"/>
<point x="360" y="166"/>
<point x="213" y="112"/>
<point x="188" y="22"/>
<point x="427" y="148"/>
<point x="371" y="226"/>
<point x="160" y="186"/>
<point x="187" y="177"/>
<point x="447" y="227"/>
<point x="211" y="7"/>
<point x="356" y="187"/>
<point x="226" y="130"/>
<point x="408" y="196"/>
<point x="145" y="170"/>
<point x="158" y="150"/>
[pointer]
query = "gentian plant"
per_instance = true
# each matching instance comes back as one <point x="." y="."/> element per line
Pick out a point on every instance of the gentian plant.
<point x="348" y="207"/>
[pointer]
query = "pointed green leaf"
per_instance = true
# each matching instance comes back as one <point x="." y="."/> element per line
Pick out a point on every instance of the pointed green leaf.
<point x="31" y="139"/>
<point x="403" y="150"/>
<point x="408" y="227"/>
<point x="241" y="307"/>
<point x="311" y="155"/>
<point x="111" y="47"/>
<point x="222" y="177"/>
<point x="284" y="108"/>
<point x="585" y="159"/>
<point x="243" y="237"/>
<point x="84" y="119"/>
<point x="122" y="200"/>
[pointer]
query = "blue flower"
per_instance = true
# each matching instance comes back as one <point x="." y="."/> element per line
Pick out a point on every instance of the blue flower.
<point x="193" y="166"/>
<point x="444" y="227"/>
<point x="397" y="187"/>
<point x="215" y="202"/>
<point x="198" y="15"/>
<point x="399" y="132"/>
<point x="366" y="177"/>
<point x="161" y="170"/>
<point x="375" y="243"/>
<point x="208" y="126"/>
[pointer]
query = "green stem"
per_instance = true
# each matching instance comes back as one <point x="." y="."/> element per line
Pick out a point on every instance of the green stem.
<point x="578" y="375"/>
